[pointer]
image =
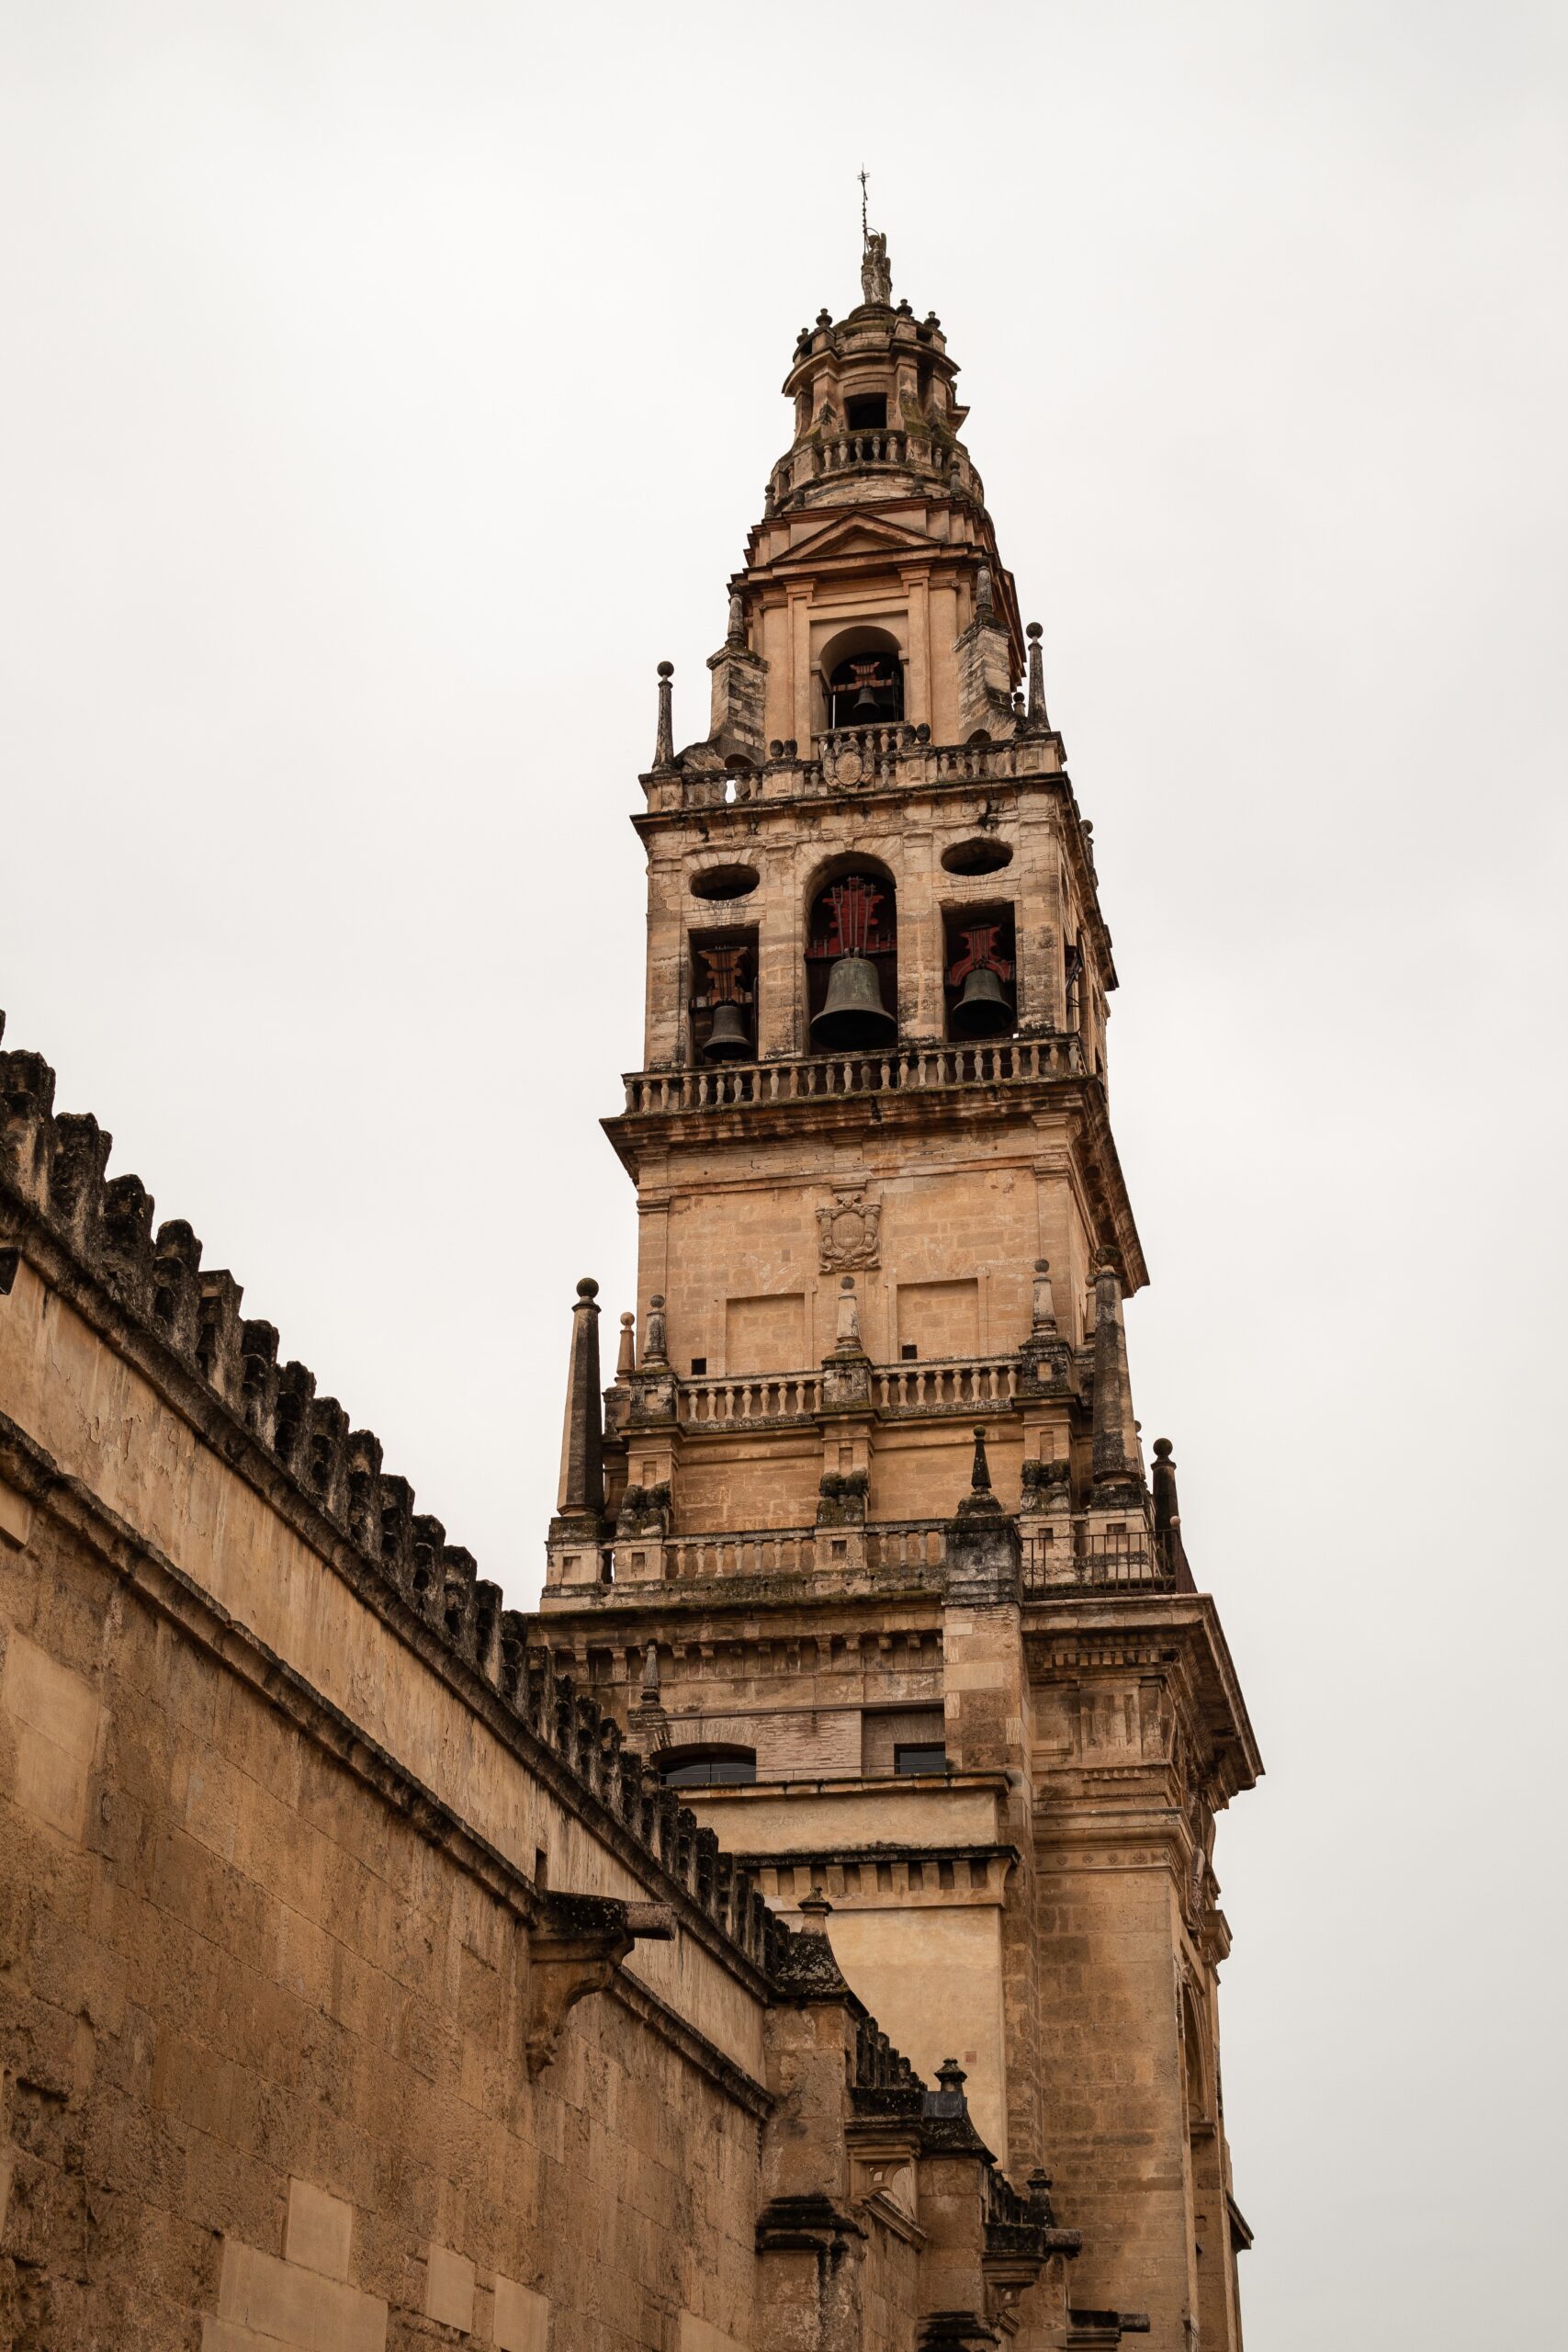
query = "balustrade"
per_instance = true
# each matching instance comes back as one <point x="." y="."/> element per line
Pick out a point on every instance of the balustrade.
<point x="894" y="1545"/>
<point x="719" y="1086"/>
<point x="769" y="1397"/>
<point x="837" y="452"/>
<point x="953" y="1385"/>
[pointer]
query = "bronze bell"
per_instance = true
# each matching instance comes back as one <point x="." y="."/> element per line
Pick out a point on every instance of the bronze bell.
<point x="866" y="706"/>
<point x="854" y="1014"/>
<point x="727" y="1039"/>
<point x="982" y="1010"/>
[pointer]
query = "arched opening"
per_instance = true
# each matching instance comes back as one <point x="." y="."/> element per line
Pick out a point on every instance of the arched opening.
<point x="1194" y="2058"/>
<point x="723" y="995"/>
<point x="863" y="679"/>
<point x="714" y="1766"/>
<point x="851" y="961"/>
<point x="865" y="690"/>
<point x="980" y="972"/>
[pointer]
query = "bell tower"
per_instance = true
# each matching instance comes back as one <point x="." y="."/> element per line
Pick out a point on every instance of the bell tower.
<point x="862" y="1544"/>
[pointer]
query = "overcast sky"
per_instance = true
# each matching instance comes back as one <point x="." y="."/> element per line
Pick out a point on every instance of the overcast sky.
<point x="389" y="387"/>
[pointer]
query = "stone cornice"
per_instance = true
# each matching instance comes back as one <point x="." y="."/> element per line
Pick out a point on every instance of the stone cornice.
<point x="1075" y="1631"/>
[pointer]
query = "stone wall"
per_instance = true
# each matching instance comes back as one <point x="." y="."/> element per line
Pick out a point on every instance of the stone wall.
<point x="359" y="1988"/>
<point x="265" y="2029"/>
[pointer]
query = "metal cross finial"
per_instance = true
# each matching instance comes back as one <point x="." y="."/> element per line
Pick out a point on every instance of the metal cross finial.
<point x="864" y="223"/>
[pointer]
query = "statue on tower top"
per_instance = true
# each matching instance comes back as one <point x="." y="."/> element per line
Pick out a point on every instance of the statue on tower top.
<point x="876" y="275"/>
<point x="875" y="272"/>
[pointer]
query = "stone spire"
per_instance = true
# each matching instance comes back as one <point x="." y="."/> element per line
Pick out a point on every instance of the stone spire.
<point x="1114" y="1475"/>
<point x="1036" y="712"/>
<point x="652" y="1722"/>
<point x="664" y="741"/>
<point x="581" y="1493"/>
<point x="1168" y="1544"/>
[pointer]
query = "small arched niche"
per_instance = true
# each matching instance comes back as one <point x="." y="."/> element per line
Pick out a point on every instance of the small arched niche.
<point x="851" y="958"/>
<point x="1195" y="2062"/>
<point x="862" y="678"/>
<point x="725" y="882"/>
<point x="982" y="854"/>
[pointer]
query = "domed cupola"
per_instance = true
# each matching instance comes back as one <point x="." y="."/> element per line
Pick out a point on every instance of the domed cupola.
<point x="874" y="409"/>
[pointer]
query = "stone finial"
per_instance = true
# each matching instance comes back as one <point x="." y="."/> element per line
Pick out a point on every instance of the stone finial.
<point x="736" y="632"/>
<point x="1036" y="678"/>
<point x="626" y="1353"/>
<point x="1167" y="1509"/>
<point x="847" y="1339"/>
<point x="1037" y="2188"/>
<point x="582" y="1490"/>
<point x="1044" y="1316"/>
<point x="654" y="1344"/>
<point x="980" y="1471"/>
<point x="664" y="742"/>
<point x="951" y="2076"/>
<point x="985" y="598"/>
<point x="815" y="1911"/>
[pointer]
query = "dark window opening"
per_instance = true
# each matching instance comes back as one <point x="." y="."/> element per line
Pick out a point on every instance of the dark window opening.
<point x="981" y="972"/>
<point x="852" y="964"/>
<point x="866" y="412"/>
<point x="699" y="1365"/>
<point x="909" y="1760"/>
<point x="724" y="996"/>
<point x="909" y="1352"/>
<point x="707" y="1768"/>
<point x="725" y="882"/>
<point x="866" y="690"/>
<point x="982" y="854"/>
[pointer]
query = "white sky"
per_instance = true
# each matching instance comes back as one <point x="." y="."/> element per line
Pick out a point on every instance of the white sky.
<point x="389" y="387"/>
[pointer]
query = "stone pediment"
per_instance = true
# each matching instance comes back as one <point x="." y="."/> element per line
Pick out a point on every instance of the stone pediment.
<point x="857" y="535"/>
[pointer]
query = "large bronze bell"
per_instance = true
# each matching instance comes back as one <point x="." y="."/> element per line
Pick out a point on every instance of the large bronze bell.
<point x="727" y="1039"/>
<point x="854" y="1014"/>
<point x="982" y="1010"/>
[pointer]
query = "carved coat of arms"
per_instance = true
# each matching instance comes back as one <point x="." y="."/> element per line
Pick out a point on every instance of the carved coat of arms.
<point x="848" y="1232"/>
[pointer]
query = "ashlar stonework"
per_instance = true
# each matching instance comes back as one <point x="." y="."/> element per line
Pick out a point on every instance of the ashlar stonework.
<point x="802" y="1934"/>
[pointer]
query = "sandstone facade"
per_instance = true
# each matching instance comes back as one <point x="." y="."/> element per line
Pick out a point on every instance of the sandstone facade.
<point x="979" y="1702"/>
<point x="380" y="1966"/>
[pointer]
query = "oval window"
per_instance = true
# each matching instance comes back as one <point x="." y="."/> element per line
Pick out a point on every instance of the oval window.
<point x="725" y="882"/>
<point x="984" y="854"/>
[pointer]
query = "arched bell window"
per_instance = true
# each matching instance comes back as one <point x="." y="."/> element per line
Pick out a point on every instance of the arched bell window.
<point x="981" y="972"/>
<point x="865" y="690"/>
<point x="723" y="994"/>
<point x="852" y="963"/>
